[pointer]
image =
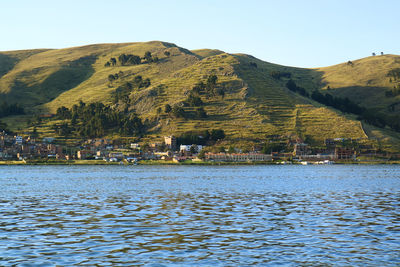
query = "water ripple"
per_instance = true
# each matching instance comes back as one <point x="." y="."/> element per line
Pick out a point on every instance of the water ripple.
<point x="157" y="216"/>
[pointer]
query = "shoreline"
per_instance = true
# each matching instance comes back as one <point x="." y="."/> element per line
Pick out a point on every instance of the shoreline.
<point x="195" y="163"/>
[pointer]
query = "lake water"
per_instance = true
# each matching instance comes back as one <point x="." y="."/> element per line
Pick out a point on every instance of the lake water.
<point x="201" y="215"/>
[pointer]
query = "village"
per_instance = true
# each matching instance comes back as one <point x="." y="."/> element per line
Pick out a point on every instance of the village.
<point x="18" y="148"/>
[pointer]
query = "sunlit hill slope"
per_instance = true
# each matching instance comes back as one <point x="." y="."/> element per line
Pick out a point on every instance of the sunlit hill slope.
<point x="254" y="104"/>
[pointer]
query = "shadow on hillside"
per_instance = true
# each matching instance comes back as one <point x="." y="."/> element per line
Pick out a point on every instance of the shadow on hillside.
<point x="359" y="94"/>
<point x="6" y="64"/>
<point x="367" y="96"/>
<point x="70" y="75"/>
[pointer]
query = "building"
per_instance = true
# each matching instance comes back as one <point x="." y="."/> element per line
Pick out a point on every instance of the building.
<point x="345" y="153"/>
<point x="301" y="149"/>
<point x="170" y="142"/>
<point x="135" y="146"/>
<point x="18" y="140"/>
<point x="329" y="142"/>
<point x="186" y="148"/>
<point x="116" y="155"/>
<point x="319" y="157"/>
<point x="163" y="155"/>
<point x="238" y="157"/>
<point x="48" y="140"/>
<point x="85" y="154"/>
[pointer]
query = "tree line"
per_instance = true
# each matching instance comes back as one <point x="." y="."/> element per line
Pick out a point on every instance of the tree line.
<point x="96" y="120"/>
<point x="13" y="109"/>
<point x="277" y="75"/>
<point x="131" y="60"/>
<point x="342" y="104"/>
<point x="346" y="105"/>
<point x="394" y="76"/>
<point x="208" y="88"/>
<point x="292" y="86"/>
<point x="178" y="111"/>
<point x="122" y="92"/>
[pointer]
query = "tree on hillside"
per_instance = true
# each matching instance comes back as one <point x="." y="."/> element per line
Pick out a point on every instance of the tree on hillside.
<point x="13" y="109"/>
<point x="134" y="60"/>
<point x="146" y="83"/>
<point x="194" y="101"/>
<point x="221" y="92"/>
<point x="201" y="113"/>
<point x="194" y="149"/>
<point x="63" y="113"/>
<point x="217" y="134"/>
<point x="113" y="61"/>
<point x="167" y="53"/>
<point x="167" y="108"/>
<point x="291" y="85"/>
<point x="148" y="57"/>
<point x="122" y="59"/>
<point x="129" y="59"/>
<point x="373" y="54"/>
<point x="178" y="112"/>
<point x="199" y="87"/>
<point x="211" y="84"/>
<point x="111" y="78"/>
<point x="211" y="80"/>
<point x="138" y="79"/>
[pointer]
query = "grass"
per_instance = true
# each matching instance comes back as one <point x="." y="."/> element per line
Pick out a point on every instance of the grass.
<point x="255" y="105"/>
<point x="364" y="81"/>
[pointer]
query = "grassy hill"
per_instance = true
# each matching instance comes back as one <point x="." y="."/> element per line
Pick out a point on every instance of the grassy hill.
<point x="255" y="104"/>
<point x="365" y="81"/>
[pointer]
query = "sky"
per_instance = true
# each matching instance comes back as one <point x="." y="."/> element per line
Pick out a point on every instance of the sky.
<point x="302" y="33"/>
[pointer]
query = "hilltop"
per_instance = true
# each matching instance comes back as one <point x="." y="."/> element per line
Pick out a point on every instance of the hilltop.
<point x="250" y="99"/>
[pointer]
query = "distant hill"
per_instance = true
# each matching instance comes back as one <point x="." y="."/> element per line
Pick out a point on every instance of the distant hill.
<point x="365" y="81"/>
<point x="250" y="99"/>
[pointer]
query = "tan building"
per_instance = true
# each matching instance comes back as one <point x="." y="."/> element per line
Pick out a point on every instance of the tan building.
<point x="84" y="154"/>
<point x="170" y="142"/>
<point x="238" y="157"/>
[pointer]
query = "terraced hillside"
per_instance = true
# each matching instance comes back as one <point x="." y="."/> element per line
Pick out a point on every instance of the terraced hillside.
<point x="251" y="104"/>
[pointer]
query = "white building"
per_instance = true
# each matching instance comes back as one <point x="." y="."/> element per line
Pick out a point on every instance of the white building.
<point x="186" y="148"/>
<point x="135" y="146"/>
<point x="18" y="139"/>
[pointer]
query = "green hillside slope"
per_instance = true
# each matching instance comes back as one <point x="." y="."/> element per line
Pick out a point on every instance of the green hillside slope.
<point x="250" y="99"/>
<point x="365" y="81"/>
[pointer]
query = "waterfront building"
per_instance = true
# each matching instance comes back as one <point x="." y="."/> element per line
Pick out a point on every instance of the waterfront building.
<point x="170" y="142"/>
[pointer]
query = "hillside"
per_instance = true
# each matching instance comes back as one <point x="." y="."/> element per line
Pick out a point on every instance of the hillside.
<point x="247" y="100"/>
<point x="365" y="81"/>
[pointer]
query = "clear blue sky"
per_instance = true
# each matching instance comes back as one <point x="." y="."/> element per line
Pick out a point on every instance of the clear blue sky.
<point x="303" y="33"/>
